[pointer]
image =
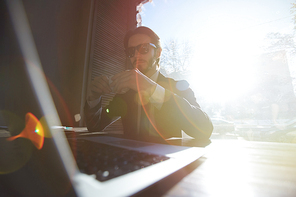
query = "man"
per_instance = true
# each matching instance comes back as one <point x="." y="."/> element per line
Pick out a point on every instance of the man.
<point x="149" y="104"/>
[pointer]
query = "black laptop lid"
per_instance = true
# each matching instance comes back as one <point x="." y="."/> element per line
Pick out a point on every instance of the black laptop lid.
<point x="30" y="164"/>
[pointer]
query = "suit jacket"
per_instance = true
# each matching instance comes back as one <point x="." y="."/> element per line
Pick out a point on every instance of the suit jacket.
<point x="180" y="111"/>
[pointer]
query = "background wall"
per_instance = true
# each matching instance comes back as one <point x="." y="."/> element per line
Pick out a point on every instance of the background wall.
<point x="59" y="30"/>
<point x="68" y="44"/>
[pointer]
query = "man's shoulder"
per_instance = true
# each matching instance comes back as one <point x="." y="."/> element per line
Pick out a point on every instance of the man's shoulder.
<point x="168" y="82"/>
<point x="179" y="87"/>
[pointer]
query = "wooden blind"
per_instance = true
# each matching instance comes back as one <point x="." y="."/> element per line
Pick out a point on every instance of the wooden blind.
<point x="112" y="19"/>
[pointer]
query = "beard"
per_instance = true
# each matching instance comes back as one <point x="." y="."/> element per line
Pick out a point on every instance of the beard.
<point x="144" y="69"/>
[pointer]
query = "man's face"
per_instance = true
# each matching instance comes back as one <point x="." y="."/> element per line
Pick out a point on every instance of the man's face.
<point x="144" y="62"/>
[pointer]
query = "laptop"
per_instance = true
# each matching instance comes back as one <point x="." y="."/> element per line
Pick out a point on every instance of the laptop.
<point x="38" y="159"/>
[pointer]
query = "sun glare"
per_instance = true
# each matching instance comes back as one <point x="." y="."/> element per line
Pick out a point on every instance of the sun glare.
<point x="225" y="62"/>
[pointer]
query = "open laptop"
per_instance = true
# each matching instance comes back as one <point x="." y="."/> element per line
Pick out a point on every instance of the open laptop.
<point x="37" y="159"/>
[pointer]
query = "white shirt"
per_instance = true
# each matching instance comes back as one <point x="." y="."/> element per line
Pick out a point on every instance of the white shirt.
<point x="157" y="98"/>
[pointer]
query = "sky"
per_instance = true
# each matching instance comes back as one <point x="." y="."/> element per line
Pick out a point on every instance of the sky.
<point x="197" y="18"/>
<point x="226" y="36"/>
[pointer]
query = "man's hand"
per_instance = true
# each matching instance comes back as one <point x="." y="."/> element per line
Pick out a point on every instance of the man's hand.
<point x="99" y="86"/>
<point x="132" y="79"/>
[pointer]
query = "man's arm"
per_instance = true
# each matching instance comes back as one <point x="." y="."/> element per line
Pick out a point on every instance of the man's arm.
<point x="94" y="113"/>
<point x="98" y="117"/>
<point x="177" y="109"/>
<point x="93" y="116"/>
<point x="177" y="114"/>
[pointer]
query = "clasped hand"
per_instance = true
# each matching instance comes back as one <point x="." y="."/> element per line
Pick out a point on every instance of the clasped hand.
<point x="121" y="83"/>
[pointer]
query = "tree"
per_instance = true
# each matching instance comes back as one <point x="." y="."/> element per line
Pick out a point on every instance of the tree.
<point x="278" y="42"/>
<point x="293" y="11"/>
<point x="282" y="85"/>
<point x="176" y="58"/>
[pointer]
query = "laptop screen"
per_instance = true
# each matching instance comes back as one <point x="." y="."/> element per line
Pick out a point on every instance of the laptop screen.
<point x="30" y="164"/>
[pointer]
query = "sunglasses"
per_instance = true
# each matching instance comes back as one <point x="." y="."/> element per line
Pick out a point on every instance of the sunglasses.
<point x="141" y="48"/>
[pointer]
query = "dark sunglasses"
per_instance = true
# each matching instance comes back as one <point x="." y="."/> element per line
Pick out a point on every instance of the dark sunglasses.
<point x="141" y="48"/>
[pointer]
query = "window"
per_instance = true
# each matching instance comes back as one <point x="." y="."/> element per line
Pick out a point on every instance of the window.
<point x="239" y="58"/>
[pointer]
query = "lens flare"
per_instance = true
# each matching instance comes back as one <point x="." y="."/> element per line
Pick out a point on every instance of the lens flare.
<point x="32" y="131"/>
<point x="142" y="101"/>
<point x="46" y="129"/>
<point x="184" y="112"/>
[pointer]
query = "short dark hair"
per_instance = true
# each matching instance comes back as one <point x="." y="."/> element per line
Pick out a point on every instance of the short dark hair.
<point x="142" y="30"/>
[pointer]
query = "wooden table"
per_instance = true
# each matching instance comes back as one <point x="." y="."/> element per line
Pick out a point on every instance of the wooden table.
<point x="235" y="168"/>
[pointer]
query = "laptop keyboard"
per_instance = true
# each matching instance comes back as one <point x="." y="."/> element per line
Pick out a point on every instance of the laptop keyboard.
<point x="106" y="162"/>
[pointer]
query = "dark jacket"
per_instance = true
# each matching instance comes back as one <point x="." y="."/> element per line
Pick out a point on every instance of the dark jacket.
<point x="180" y="111"/>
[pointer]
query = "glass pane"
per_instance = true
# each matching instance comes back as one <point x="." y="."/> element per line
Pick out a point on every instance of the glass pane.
<point x="239" y="58"/>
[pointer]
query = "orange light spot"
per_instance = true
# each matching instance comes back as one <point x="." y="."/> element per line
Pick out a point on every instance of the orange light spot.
<point x="32" y="131"/>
